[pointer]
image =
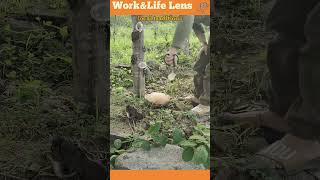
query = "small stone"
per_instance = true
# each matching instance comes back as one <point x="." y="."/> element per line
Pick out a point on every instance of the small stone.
<point x="171" y="76"/>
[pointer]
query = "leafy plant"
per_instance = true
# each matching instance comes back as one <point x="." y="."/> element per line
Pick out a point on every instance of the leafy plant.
<point x="117" y="149"/>
<point x="30" y="92"/>
<point x="177" y="136"/>
<point x="197" y="146"/>
<point x="154" y="138"/>
<point x="35" y="54"/>
<point x="121" y="78"/>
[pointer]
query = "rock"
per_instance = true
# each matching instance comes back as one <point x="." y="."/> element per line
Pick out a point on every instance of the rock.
<point x="168" y="158"/>
<point x="159" y="99"/>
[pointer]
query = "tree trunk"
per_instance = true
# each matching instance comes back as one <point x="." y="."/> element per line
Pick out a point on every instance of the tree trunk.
<point x="137" y="58"/>
<point x="90" y="60"/>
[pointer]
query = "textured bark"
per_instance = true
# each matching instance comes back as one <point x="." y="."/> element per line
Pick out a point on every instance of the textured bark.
<point x="90" y="60"/>
<point x="137" y="57"/>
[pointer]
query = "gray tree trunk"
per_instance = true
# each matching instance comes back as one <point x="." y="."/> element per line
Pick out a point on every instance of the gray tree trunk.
<point x="89" y="41"/>
<point x="137" y="57"/>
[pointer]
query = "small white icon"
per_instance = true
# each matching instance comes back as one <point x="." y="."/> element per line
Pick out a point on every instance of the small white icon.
<point x="139" y="27"/>
<point x="142" y="65"/>
<point x="203" y="6"/>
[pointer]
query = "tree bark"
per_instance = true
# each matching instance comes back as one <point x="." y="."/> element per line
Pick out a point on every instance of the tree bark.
<point x="90" y="60"/>
<point x="137" y="57"/>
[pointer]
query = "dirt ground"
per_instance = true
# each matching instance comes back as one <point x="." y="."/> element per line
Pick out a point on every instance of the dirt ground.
<point x="182" y="87"/>
<point x="35" y="90"/>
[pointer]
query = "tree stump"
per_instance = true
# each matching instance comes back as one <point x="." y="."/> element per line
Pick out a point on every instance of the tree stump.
<point x="90" y="57"/>
<point x="137" y="59"/>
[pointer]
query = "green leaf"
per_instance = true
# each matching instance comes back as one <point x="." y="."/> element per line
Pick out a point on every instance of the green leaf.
<point x="201" y="155"/>
<point x="177" y="136"/>
<point x="120" y="151"/>
<point x="112" y="150"/>
<point x="202" y="129"/>
<point x="7" y="28"/>
<point x="191" y="115"/>
<point x="154" y="129"/>
<point x="136" y="144"/>
<point x="47" y="23"/>
<point x="8" y="62"/>
<point x="145" y="145"/>
<point x="113" y="159"/>
<point x="206" y="133"/>
<point x="156" y="139"/>
<point x="199" y="138"/>
<point x="163" y="140"/>
<point x="187" y="154"/>
<point x="207" y="164"/>
<point x="120" y="90"/>
<point x="117" y="143"/>
<point x="67" y="59"/>
<point x="64" y="32"/>
<point x="12" y="75"/>
<point x="188" y="143"/>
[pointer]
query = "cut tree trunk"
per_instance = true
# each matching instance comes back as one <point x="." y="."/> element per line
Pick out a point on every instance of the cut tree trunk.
<point x="137" y="58"/>
<point x="90" y="60"/>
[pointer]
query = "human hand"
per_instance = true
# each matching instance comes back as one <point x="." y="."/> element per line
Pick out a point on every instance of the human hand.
<point x="170" y="56"/>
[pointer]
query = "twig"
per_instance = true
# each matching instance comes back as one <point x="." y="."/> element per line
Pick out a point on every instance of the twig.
<point x="130" y="125"/>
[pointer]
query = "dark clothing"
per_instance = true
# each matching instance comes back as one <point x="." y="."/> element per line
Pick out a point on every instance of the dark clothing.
<point x="294" y="64"/>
